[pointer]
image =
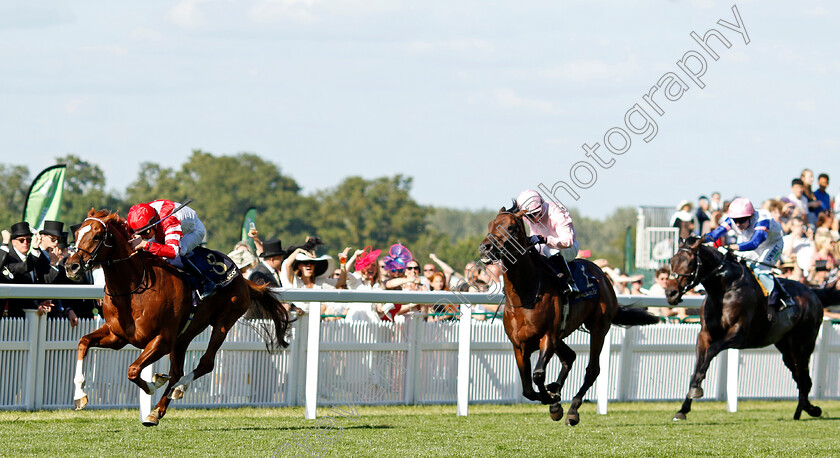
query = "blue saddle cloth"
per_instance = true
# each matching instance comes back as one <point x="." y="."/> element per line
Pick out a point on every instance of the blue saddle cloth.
<point x="586" y="282"/>
<point x="217" y="266"/>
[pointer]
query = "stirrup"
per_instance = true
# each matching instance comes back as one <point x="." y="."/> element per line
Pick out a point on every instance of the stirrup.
<point x="207" y="289"/>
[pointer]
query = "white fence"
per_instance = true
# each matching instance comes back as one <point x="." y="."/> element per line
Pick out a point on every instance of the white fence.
<point x="414" y="362"/>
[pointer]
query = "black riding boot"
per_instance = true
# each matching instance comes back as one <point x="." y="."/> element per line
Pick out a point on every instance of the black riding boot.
<point x="207" y="286"/>
<point x="778" y="300"/>
<point x="561" y="268"/>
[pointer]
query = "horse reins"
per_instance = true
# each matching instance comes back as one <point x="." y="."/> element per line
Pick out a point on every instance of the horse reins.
<point x="694" y="280"/>
<point x="91" y="262"/>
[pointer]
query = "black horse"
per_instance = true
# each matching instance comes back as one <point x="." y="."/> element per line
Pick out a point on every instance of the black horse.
<point x="734" y="315"/>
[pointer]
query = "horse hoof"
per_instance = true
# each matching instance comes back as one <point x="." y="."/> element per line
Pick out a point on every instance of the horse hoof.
<point x="80" y="404"/>
<point x="151" y="419"/>
<point x="553" y="388"/>
<point x="177" y="393"/>
<point x="679" y="416"/>
<point x="159" y="380"/>
<point x="814" y="411"/>
<point x="556" y="411"/>
<point x="572" y="419"/>
<point x="695" y="393"/>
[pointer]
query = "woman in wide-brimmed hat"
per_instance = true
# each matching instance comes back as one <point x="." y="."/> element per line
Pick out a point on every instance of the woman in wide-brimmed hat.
<point x="367" y="276"/>
<point x="302" y="269"/>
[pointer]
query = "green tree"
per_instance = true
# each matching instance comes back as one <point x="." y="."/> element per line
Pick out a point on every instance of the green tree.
<point x="378" y="212"/>
<point x="14" y="185"/>
<point x="84" y="188"/>
<point x="223" y="188"/>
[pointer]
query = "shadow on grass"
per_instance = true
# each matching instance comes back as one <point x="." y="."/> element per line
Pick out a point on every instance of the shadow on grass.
<point x="290" y="428"/>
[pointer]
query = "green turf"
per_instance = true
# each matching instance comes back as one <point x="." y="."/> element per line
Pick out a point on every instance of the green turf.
<point x="637" y="429"/>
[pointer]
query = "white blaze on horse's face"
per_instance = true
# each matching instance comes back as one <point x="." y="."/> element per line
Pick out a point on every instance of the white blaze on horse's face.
<point x="82" y="232"/>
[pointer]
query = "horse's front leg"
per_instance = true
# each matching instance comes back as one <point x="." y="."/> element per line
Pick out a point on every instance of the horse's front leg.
<point x="546" y="352"/>
<point x="707" y="349"/>
<point x="155" y="349"/>
<point x="102" y="337"/>
<point x="567" y="359"/>
<point x="523" y="362"/>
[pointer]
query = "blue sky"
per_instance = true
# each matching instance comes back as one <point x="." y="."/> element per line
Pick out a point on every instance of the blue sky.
<point x="476" y="100"/>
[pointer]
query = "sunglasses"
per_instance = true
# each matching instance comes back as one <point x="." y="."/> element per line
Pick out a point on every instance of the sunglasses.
<point x="413" y="268"/>
<point x="24" y="239"/>
<point x="428" y="270"/>
<point x="398" y="271"/>
<point x="741" y="220"/>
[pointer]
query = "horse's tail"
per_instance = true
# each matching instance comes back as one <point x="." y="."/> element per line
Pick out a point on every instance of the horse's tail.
<point x="630" y="316"/>
<point x="828" y="296"/>
<point x="266" y="306"/>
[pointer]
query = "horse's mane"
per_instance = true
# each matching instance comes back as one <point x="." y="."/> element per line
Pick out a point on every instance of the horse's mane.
<point x="513" y="208"/>
<point x="113" y="220"/>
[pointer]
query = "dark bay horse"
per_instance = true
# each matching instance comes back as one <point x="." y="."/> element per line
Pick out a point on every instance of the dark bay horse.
<point x="148" y="304"/>
<point x="534" y="315"/>
<point x="734" y="315"/>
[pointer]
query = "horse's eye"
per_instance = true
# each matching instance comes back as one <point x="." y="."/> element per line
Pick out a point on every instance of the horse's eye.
<point x="512" y="228"/>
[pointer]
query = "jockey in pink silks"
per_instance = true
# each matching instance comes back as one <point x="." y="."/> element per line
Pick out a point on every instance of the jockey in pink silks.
<point x="553" y="234"/>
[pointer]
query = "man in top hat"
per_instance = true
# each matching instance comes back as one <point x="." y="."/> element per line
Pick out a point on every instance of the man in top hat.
<point x="268" y="271"/>
<point x="49" y="239"/>
<point x="27" y="264"/>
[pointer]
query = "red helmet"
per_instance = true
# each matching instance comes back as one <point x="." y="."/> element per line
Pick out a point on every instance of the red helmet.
<point x="140" y="215"/>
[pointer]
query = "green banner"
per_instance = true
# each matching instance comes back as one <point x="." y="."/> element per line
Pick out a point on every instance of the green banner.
<point x="44" y="199"/>
<point x="249" y="219"/>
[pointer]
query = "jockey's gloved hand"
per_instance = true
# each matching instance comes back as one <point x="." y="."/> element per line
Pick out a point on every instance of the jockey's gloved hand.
<point x="535" y="239"/>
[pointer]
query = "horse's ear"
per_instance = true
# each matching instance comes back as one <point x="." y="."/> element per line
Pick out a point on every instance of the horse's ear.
<point x="502" y="210"/>
<point x="92" y="211"/>
<point x="697" y="243"/>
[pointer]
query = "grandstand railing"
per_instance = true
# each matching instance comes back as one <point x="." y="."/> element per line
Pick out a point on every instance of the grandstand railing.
<point x="410" y="362"/>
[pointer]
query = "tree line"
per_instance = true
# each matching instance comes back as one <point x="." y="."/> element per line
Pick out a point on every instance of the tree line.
<point x="356" y="212"/>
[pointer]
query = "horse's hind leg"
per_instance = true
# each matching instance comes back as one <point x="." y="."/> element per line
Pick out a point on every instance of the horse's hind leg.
<point x="546" y="352"/>
<point x="523" y="363"/>
<point x="176" y="371"/>
<point x="205" y="364"/>
<point x="101" y="337"/>
<point x="796" y="359"/>
<point x="596" y="343"/>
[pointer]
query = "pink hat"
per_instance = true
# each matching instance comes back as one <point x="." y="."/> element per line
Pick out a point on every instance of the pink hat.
<point x="367" y="258"/>
<point x="530" y="201"/>
<point x="741" y="208"/>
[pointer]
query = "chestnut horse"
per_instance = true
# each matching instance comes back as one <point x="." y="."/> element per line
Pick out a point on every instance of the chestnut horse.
<point x="148" y="304"/>
<point x="534" y="315"/>
<point x="734" y="315"/>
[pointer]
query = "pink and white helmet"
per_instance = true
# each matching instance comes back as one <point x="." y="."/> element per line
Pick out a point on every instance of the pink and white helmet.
<point x="529" y="200"/>
<point x="741" y="208"/>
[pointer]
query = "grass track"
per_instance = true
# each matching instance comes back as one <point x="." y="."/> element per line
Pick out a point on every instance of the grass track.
<point x="636" y="429"/>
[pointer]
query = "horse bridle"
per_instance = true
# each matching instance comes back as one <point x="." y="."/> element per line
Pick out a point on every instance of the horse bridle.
<point x="693" y="277"/>
<point x="91" y="262"/>
<point x="539" y="277"/>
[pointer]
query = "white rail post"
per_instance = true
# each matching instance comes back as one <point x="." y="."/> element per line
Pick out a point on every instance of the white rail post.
<point x="821" y="359"/>
<point x="312" y="353"/>
<point x="412" y="364"/>
<point x="41" y="358"/>
<point x="32" y="321"/>
<point x="732" y="366"/>
<point x="146" y="399"/>
<point x="464" y="359"/>
<point x="602" y="393"/>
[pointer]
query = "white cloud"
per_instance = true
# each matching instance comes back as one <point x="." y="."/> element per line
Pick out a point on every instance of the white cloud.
<point x="309" y="11"/>
<point x="186" y="14"/>
<point x="587" y="70"/>
<point x="817" y="11"/>
<point x="508" y="99"/>
<point x="806" y="105"/>
<point x="456" y="45"/>
<point x="144" y="34"/>
<point x="74" y="104"/>
<point x="113" y="50"/>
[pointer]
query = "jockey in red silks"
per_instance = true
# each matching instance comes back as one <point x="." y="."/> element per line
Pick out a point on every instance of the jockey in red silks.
<point x="174" y="238"/>
<point x="553" y="233"/>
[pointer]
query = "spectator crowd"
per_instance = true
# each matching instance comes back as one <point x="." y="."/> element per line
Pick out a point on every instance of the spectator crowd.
<point x="808" y="216"/>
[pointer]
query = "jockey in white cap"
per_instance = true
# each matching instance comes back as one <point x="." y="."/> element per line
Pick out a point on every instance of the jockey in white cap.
<point x="758" y="237"/>
<point x="554" y="234"/>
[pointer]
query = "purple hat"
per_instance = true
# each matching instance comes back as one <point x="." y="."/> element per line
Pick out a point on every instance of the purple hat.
<point x="398" y="257"/>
